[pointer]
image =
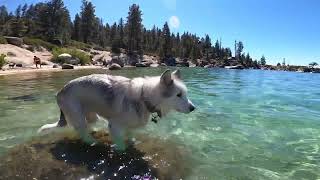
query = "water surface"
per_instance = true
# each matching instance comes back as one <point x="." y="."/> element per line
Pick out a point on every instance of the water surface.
<point x="248" y="124"/>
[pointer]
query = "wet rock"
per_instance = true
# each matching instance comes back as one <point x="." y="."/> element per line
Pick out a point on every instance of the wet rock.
<point x="66" y="157"/>
<point x="142" y="65"/>
<point x="114" y="66"/>
<point x="67" y="66"/>
<point x="55" y="66"/>
<point x="19" y="65"/>
<point x="14" y="40"/>
<point x="11" y="65"/>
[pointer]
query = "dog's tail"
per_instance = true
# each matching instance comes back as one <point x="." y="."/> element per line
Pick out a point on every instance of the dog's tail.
<point x="61" y="123"/>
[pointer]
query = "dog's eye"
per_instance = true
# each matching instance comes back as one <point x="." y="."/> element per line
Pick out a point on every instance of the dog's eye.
<point x="179" y="95"/>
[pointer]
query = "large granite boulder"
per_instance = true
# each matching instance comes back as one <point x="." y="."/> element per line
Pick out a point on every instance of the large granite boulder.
<point x="68" y="59"/>
<point x="117" y="60"/>
<point x="64" y="56"/>
<point x="14" y="40"/>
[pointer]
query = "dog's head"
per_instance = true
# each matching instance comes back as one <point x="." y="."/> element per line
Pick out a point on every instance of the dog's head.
<point x="174" y="93"/>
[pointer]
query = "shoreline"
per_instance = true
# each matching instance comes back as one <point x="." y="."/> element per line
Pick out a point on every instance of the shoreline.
<point x="43" y="69"/>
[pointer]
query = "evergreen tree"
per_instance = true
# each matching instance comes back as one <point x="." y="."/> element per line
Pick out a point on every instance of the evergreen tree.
<point x="107" y="33"/>
<point x="18" y="12"/>
<point x="121" y="33"/>
<point x="239" y="49"/>
<point x="76" y="35"/>
<point x="87" y="21"/>
<point x="217" y="49"/>
<point x="207" y="46"/>
<point x="134" y="30"/>
<point x="166" y="41"/>
<point x="58" y="20"/>
<point x="24" y="10"/>
<point x="263" y="61"/>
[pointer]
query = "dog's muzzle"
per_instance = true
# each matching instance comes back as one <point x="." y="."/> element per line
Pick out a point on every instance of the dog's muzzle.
<point x="192" y="107"/>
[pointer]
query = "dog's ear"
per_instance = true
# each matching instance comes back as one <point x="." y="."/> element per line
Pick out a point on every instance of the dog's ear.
<point x="166" y="78"/>
<point x="176" y="74"/>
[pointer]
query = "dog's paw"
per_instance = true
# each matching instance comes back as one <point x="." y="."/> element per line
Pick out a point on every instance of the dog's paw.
<point x="119" y="147"/>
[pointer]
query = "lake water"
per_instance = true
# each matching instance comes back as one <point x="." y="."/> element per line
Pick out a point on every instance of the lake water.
<point x="248" y="124"/>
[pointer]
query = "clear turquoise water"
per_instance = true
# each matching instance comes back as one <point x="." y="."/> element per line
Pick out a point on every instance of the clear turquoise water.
<point x="248" y="124"/>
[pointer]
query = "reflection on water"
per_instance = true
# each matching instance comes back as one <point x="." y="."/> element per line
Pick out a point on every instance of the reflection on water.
<point x="248" y="125"/>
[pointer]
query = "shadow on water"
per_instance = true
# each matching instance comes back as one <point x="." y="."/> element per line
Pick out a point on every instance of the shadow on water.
<point x="28" y="97"/>
<point x="103" y="161"/>
<point x="67" y="157"/>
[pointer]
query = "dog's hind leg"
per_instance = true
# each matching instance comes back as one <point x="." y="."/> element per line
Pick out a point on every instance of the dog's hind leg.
<point x="91" y="118"/>
<point x="75" y="116"/>
<point x="117" y="136"/>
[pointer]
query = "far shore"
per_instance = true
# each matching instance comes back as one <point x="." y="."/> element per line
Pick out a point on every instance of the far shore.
<point x="44" y="69"/>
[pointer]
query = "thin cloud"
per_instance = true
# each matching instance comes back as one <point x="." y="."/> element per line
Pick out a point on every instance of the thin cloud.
<point x="174" y="22"/>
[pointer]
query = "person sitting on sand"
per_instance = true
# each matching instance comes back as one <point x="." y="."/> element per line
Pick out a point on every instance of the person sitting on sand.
<point x="37" y="61"/>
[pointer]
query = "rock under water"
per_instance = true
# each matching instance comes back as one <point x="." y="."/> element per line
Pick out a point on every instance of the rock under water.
<point x="67" y="157"/>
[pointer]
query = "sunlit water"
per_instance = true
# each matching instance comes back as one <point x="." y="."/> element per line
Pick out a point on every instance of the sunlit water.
<point x="248" y="124"/>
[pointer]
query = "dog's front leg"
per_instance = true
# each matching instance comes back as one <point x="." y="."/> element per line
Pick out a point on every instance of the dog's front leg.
<point x="117" y="136"/>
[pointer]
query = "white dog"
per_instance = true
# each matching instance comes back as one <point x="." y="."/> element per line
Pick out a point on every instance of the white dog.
<point x="125" y="103"/>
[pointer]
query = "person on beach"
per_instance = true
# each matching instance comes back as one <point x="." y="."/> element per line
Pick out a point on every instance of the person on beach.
<point x="37" y="61"/>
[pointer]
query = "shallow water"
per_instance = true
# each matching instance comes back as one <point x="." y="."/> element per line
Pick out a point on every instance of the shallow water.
<point x="248" y="124"/>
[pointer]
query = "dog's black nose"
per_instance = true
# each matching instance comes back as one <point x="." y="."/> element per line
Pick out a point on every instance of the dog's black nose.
<point x="192" y="108"/>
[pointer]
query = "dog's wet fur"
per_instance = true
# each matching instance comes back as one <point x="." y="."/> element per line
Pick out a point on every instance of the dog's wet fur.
<point x="127" y="104"/>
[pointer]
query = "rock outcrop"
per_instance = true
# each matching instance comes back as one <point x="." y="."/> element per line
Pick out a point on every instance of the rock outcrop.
<point x="14" y="40"/>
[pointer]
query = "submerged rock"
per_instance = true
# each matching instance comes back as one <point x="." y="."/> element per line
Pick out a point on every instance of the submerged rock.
<point x="68" y="157"/>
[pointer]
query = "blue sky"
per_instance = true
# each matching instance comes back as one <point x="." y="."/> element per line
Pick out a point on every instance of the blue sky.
<point x="276" y="28"/>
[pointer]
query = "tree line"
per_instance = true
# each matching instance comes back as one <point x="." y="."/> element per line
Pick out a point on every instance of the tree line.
<point x="51" y="20"/>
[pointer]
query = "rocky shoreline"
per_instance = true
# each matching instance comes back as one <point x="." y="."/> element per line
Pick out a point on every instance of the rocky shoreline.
<point x="20" y="59"/>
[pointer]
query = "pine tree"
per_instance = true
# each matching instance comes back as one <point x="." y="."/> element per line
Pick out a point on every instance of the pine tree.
<point x="76" y="35"/>
<point x="18" y="12"/>
<point x="239" y="49"/>
<point x="207" y="46"/>
<point x="3" y="18"/>
<point x="166" y="41"/>
<point x="263" y="61"/>
<point x="24" y="10"/>
<point x="134" y="30"/>
<point x="58" y="20"/>
<point x="87" y="21"/>
<point x="121" y="33"/>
